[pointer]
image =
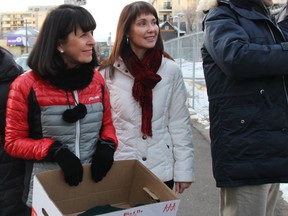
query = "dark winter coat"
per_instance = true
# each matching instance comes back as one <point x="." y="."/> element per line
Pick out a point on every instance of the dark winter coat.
<point x="245" y="61"/>
<point x="11" y="169"/>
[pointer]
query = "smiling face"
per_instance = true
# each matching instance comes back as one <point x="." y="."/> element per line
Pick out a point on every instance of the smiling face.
<point x="143" y="34"/>
<point x="77" y="49"/>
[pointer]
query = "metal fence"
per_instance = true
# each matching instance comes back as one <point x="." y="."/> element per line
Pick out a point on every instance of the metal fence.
<point x="186" y="52"/>
<point x="185" y="47"/>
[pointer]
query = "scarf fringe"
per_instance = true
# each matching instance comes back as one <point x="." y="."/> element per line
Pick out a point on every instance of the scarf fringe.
<point x="147" y="125"/>
<point x="145" y="79"/>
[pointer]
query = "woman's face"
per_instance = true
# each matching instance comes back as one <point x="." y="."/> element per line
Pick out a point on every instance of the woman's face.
<point x="143" y="34"/>
<point x="77" y="49"/>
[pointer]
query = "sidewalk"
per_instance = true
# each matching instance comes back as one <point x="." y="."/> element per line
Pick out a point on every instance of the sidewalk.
<point x="202" y="198"/>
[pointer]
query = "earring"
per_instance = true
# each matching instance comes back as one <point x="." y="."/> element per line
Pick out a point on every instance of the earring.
<point x="61" y="51"/>
<point x="127" y="40"/>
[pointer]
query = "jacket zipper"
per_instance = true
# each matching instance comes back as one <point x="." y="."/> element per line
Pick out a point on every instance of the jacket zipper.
<point x="77" y="135"/>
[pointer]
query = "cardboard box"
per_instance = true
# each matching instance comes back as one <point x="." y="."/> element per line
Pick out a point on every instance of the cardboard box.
<point x="128" y="185"/>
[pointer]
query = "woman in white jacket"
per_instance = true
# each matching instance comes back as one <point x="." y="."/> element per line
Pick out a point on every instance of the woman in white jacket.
<point x="148" y="99"/>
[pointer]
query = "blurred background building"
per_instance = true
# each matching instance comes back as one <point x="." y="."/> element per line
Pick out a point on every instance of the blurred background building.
<point x="19" y="30"/>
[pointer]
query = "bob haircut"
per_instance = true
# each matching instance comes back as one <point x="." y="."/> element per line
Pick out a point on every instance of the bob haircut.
<point x="44" y="58"/>
<point x="128" y="15"/>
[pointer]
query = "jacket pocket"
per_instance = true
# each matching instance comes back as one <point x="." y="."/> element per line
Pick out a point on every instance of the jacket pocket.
<point x="242" y="131"/>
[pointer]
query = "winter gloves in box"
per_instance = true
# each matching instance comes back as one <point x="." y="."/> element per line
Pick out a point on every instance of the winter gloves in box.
<point x="71" y="166"/>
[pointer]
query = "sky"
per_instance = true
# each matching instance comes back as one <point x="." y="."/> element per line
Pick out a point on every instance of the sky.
<point x="106" y="12"/>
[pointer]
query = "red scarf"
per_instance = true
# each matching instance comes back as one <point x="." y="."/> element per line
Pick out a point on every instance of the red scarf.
<point x="145" y="79"/>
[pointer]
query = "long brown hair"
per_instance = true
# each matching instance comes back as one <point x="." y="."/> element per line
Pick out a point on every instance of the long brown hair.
<point x="128" y="15"/>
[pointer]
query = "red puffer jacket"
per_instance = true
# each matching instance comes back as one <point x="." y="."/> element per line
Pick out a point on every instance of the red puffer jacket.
<point x="34" y="122"/>
<point x="52" y="102"/>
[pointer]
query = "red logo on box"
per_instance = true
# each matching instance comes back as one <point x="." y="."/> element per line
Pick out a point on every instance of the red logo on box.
<point x="169" y="207"/>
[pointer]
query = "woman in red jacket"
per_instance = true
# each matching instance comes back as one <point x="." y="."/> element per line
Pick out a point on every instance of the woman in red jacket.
<point x="58" y="114"/>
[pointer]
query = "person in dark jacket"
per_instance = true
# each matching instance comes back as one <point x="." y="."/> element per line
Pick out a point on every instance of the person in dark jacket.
<point x="58" y="114"/>
<point x="12" y="170"/>
<point x="245" y="66"/>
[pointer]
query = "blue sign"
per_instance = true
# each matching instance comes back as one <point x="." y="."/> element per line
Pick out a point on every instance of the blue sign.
<point x="16" y="41"/>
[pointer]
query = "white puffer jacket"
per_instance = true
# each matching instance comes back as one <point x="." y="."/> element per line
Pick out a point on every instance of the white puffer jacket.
<point x="169" y="152"/>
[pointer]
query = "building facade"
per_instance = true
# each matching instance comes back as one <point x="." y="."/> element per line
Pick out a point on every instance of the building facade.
<point x="33" y="18"/>
<point x="179" y="13"/>
<point x="17" y="29"/>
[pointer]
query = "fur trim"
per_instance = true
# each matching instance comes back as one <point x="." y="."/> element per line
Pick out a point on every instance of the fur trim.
<point x="205" y="5"/>
<point x="279" y="1"/>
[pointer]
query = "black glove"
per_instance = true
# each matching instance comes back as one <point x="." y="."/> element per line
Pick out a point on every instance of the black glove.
<point x="102" y="159"/>
<point x="69" y="163"/>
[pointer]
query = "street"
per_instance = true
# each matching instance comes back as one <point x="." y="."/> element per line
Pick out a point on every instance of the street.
<point x="202" y="198"/>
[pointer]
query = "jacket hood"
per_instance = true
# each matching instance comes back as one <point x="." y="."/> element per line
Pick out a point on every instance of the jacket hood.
<point x="206" y="5"/>
<point x="9" y="69"/>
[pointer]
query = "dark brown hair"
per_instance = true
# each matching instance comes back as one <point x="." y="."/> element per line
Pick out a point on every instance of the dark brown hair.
<point x="44" y="58"/>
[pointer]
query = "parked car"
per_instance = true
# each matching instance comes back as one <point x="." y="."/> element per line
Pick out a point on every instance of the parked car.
<point x="22" y="61"/>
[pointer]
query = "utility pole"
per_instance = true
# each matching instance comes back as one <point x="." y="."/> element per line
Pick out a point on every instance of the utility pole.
<point x="26" y="36"/>
<point x="1" y="33"/>
<point x="109" y="42"/>
<point x="178" y="17"/>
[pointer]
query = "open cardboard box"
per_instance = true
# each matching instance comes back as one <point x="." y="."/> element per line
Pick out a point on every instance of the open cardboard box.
<point x="128" y="185"/>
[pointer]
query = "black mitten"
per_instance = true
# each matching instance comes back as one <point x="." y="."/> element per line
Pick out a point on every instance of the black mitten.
<point x="69" y="163"/>
<point x="102" y="159"/>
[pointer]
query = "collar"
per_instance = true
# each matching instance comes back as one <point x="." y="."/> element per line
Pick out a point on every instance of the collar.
<point x="283" y="14"/>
